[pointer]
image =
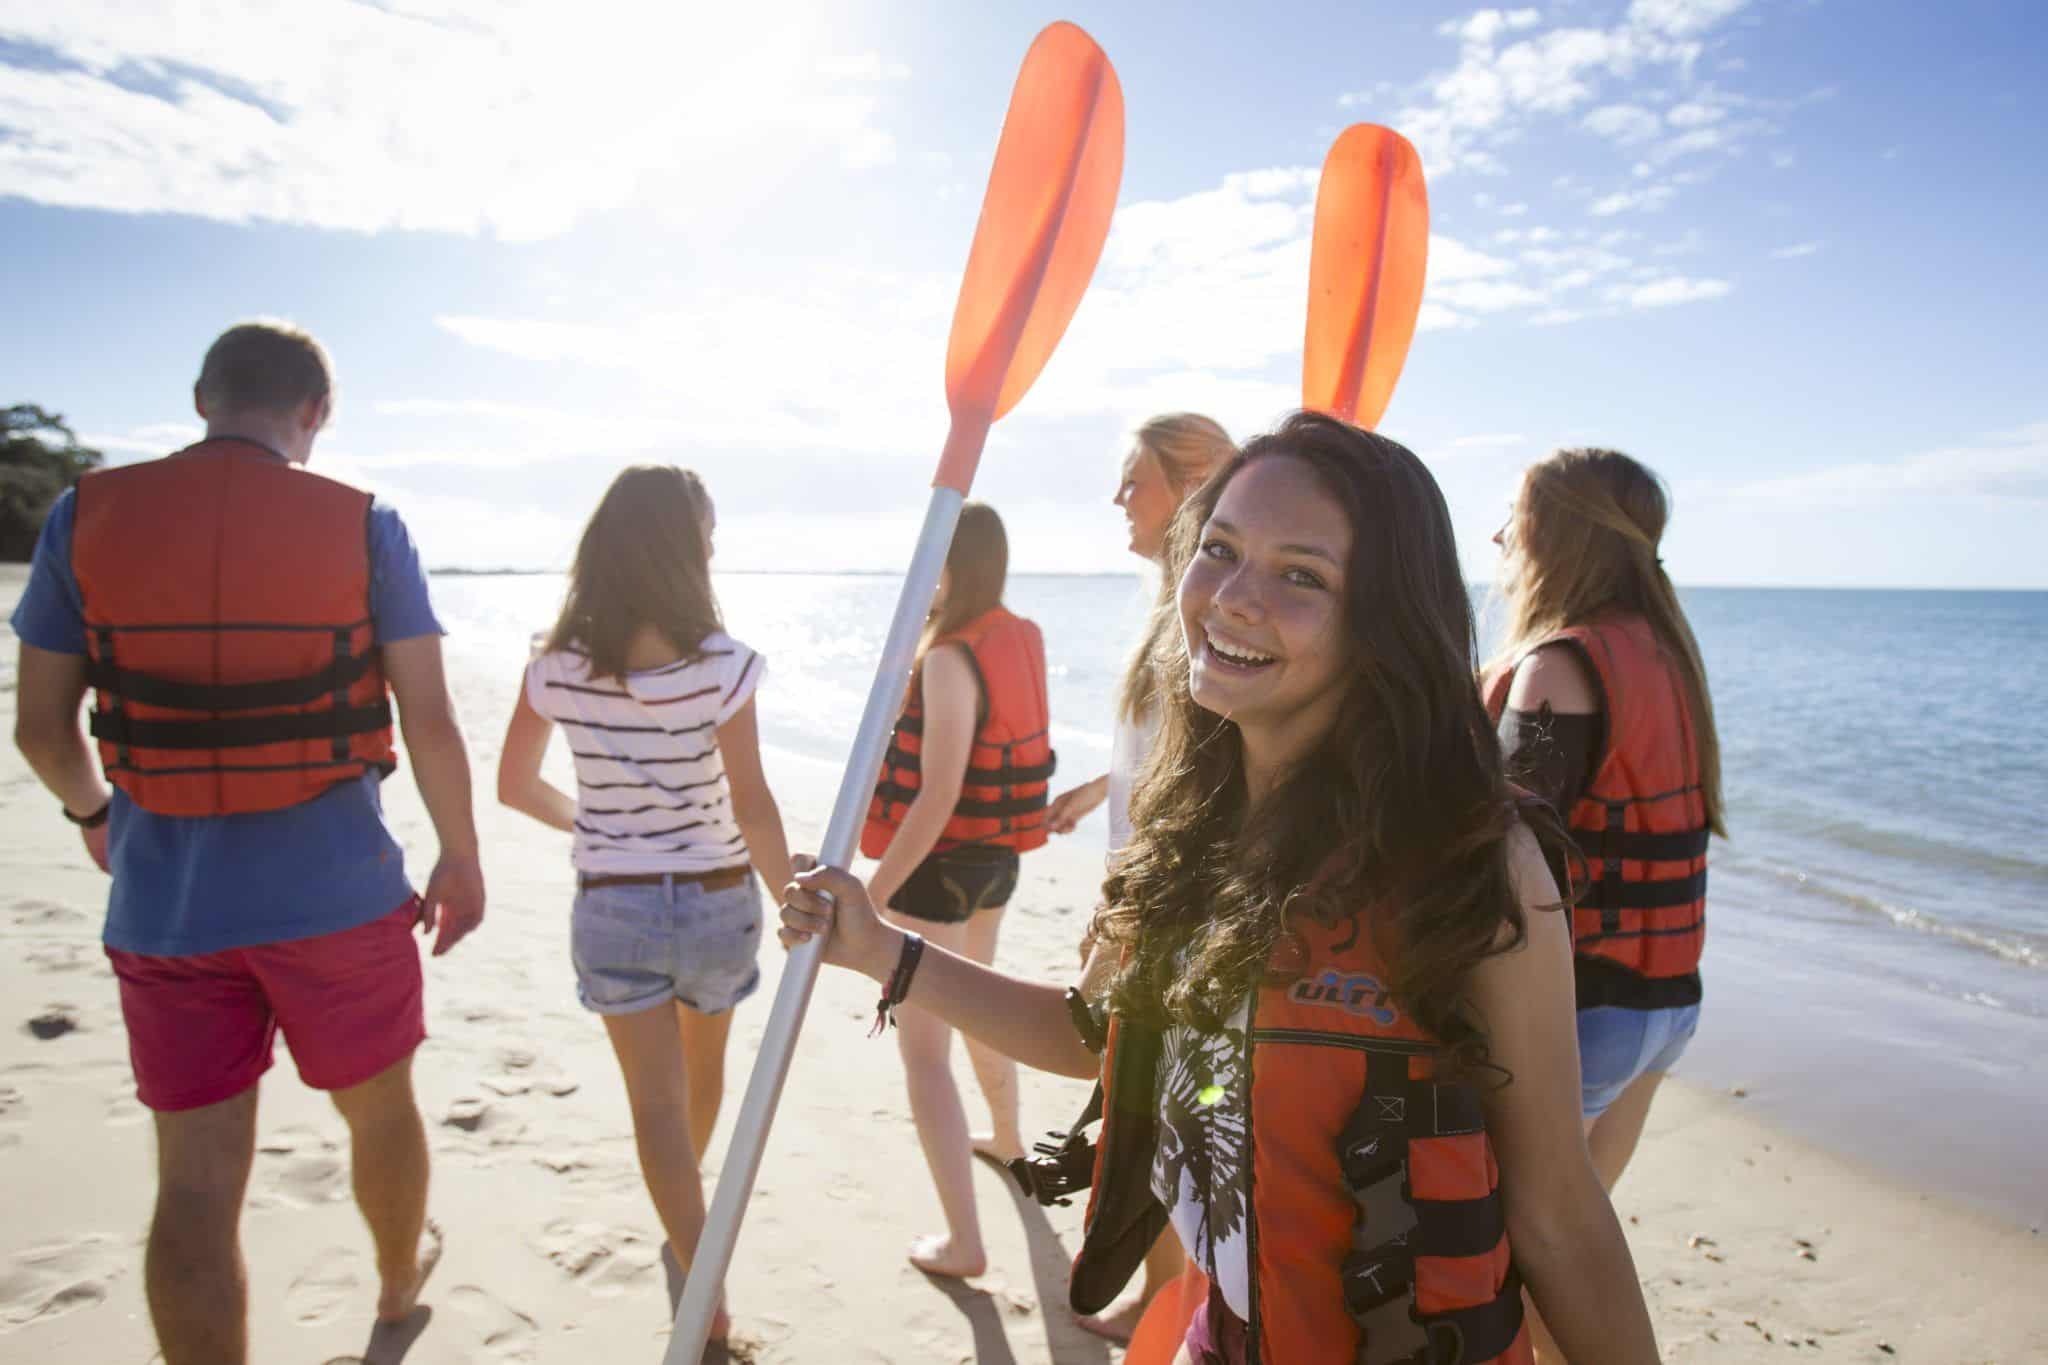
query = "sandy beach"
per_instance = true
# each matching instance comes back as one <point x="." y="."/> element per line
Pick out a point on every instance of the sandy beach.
<point x="1751" y="1244"/>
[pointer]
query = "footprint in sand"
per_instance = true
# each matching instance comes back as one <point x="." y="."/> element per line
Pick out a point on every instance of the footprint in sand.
<point x="58" y="1278"/>
<point x="32" y="913"/>
<point x="54" y="1022"/>
<point x="606" y="1261"/>
<point x="61" y="957"/>
<point x="328" y="1285"/>
<point x="506" y="1333"/>
<point x="13" y="1110"/>
<point x="298" y="1168"/>
<point x="123" y="1109"/>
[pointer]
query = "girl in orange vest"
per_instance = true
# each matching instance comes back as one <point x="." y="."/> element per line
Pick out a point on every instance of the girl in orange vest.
<point x="1169" y="458"/>
<point x="672" y="815"/>
<point x="1339" y="1058"/>
<point x="1603" y="710"/>
<point x="962" y="795"/>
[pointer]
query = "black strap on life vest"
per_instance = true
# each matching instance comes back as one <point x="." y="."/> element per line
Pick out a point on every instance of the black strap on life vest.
<point x="893" y="792"/>
<point x="130" y="685"/>
<point x="1124" y="1217"/>
<point x="1003" y="774"/>
<point x="113" y="709"/>
<point x="117" y="727"/>
<point x="1394" y="1227"/>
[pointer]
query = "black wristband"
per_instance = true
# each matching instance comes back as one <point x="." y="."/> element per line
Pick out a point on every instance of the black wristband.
<point x="93" y="821"/>
<point x="1092" y="1027"/>
<point x="898" y="985"/>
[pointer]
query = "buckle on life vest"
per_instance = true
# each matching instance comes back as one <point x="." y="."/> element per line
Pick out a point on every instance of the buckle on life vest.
<point x="112" y="710"/>
<point x="1393" y="1332"/>
<point x="1610" y="867"/>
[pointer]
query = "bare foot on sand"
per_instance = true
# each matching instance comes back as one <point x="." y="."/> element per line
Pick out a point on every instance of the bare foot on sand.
<point x="1117" y="1321"/>
<point x="1001" y="1151"/>
<point x="672" y="1269"/>
<point x="397" y="1296"/>
<point x="936" y="1255"/>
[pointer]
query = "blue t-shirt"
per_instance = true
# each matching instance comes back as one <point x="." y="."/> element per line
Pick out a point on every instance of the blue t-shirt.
<point x="186" y="885"/>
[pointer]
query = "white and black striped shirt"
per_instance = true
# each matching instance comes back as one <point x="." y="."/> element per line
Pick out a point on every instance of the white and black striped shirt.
<point x="651" y="792"/>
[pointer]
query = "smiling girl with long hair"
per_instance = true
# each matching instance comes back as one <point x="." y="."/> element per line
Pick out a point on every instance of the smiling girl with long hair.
<point x="1339" y="1056"/>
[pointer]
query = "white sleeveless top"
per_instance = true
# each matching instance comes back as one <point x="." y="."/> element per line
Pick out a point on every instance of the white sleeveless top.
<point x="1129" y="742"/>
<point x="651" y="794"/>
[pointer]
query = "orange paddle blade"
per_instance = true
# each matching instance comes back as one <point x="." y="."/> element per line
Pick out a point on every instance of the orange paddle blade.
<point x="1043" y="222"/>
<point x="1164" y="1325"/>
<point x="1365" y="273"/>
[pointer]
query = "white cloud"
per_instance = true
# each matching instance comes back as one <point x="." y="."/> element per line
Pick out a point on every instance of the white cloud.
<point x="1694" y="115"/>
<point x="1626" y="124"/>
<point x="1487" y="24"/>
<point x="1629" y="201"/>
<point x="1797" y="250"/>
<point x="1672" y="289"/>
<point x="517" y="120"/>
<point x="1682" y="17"/>
<point x="2010" y="464"/>
<point x="146" y="441"/>
<point x="1489" y="296"/>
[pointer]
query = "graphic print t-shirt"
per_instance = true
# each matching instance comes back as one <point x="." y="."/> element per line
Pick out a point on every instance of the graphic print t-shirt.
<point x="651" y="791"/>
<point x="1201" y="1169"/>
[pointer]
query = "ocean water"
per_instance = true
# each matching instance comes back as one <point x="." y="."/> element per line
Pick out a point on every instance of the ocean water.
<point x="1880" y="909"/>
<point x="1885" y="754"/>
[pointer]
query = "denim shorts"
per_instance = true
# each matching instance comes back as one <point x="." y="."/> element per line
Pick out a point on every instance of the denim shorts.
<point x="642" y="945"/>
<point x="1617" y="1045"/>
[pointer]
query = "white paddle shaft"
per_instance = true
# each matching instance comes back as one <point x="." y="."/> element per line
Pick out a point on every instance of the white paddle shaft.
<point x="800" y="971"/>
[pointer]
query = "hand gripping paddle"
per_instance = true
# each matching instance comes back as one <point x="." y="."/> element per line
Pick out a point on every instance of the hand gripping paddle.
<point x="1365" y="273"/>
<point x="1043" y="223"/>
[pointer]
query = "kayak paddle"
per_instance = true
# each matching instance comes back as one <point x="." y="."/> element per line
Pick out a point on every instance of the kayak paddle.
<point x="1365" y="273"/>
<point x="1043" y="222"/>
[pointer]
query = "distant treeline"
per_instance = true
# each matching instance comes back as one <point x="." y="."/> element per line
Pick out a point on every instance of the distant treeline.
<point x="39" y="458"/>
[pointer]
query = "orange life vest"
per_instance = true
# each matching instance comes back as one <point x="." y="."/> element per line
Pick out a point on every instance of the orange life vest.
<point x="1003" y="798"/>
<point x="1640" y="826"/>
<point x="226" y="596"/>
<point x="1375" y="1228"/>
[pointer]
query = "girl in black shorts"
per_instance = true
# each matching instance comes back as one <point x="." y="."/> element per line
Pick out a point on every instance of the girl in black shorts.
<point x="962" y="795"/>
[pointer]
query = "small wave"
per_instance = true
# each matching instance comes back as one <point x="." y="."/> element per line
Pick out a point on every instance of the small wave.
<point x="2018" y="950"/>
<point x="1784" y="812"/>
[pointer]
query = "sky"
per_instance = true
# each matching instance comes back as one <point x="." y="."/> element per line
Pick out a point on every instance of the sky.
<point x="1783" y="251"/>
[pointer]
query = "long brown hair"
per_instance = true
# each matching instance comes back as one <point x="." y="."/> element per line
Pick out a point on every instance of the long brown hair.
<point x="1583" y="541"/>
<point x="977" y="563"/>
<point x="644" y="561"/>
<point x="1188" y="448"/>
<point x="1399" y="817"/>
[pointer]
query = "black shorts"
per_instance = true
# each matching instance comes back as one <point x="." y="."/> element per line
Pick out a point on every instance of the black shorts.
<point x="947" y="888"/>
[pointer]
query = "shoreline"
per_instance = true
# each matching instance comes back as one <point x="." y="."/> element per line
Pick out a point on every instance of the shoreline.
<point x="1750" y="1239"/>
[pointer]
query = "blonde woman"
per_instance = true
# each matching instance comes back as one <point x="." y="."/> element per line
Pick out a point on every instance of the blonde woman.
<point x="1602" y="705"/>
<point x="1170" y="457"/>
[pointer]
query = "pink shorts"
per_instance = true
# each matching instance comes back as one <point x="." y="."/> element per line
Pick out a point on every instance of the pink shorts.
<point x="200" y="1028"/>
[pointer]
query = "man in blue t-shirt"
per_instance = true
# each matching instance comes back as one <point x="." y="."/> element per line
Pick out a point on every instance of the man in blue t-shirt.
<point x="283" y="902"/>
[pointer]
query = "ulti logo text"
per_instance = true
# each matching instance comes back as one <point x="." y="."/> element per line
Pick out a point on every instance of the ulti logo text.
<point x="1353" y="992"/>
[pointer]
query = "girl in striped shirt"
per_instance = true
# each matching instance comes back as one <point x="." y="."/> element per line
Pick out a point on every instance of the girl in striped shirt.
<point x="672" y="815"/>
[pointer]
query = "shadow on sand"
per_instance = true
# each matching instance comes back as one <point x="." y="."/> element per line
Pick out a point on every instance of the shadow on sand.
<point x="391" y="1341"/>
<point x="1066" y="1340"/>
